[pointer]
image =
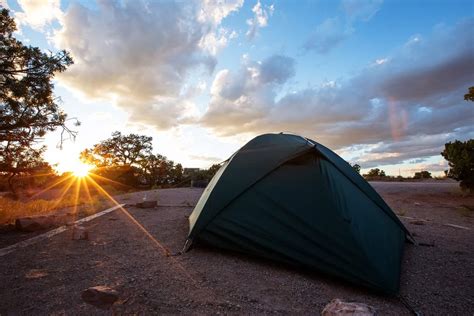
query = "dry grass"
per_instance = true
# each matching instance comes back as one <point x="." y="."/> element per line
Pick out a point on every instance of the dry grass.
<point x="12" y="209"/>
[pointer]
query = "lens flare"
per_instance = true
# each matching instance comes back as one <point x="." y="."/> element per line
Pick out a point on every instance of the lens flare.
<point x="81" y="170"/>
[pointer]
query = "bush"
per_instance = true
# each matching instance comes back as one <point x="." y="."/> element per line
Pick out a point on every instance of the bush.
<point x="460" y="156"/>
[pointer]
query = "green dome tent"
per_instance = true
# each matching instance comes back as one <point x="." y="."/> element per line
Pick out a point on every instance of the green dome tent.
<point x="290" y="199"/>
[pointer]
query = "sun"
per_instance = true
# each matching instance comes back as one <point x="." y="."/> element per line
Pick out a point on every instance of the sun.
<point x="81" y="170"/>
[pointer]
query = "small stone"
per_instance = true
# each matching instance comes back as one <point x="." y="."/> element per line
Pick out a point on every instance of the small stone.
<point x="100" y="296"/>
<point x="418" y="222"/>
<point x="338" y="307"/>
<point x="147" y="204"/>
<point x="80" y="233"/>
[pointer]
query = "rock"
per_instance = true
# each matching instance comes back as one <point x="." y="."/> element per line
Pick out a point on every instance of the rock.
<point x="418" y="222"/>
<point x="32" y="224"/>
<point x="80" y="233"/>
<point x="340" y="308"/>
<point x="147" y="204"/>
<point x="100" y="296"/>
<point x="43" y="222"/>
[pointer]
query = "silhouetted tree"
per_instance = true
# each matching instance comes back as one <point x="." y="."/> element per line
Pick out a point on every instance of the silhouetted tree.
<point x="177" y="174"/>
<point x="28" y="108"/>
<point x="375" y="173"/>
<point x="422" y="175"/>
<point x="470" y="95"/>
<point x="119" y="150"/>
<point x="460" y="156"/>
<point x="356" y="167"/>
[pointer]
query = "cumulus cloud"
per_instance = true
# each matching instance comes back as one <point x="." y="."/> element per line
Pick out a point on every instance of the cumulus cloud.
<point x="211" y="13"/>
<point x="38" y="14"/>
<point x="215" y="11"/>
<point x="246" y="95"/>
<point x="397" y="110"/>
<point x="142" y="54"/>
<point x="259" y="19"/>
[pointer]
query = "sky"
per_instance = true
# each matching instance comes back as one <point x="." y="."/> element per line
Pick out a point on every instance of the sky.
<point x="379" y="82"/>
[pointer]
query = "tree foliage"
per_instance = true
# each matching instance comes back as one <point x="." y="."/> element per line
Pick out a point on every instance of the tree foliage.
<point x="158" y="170"/>
<point x="460" y="156"/>
<point x="128" y="159"/>
<point x="28" y="108"/>
<point x="375" y="174"/>
<point x="119" y="150"/>
<point x="422" y="175"/>
<point x="356" y="168"/>
<point x="470" y="95"/>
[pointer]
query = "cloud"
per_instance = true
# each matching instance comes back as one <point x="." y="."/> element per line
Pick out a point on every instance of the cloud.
<point x="210" y="159"/>
<point x="38" y="14"/>
<point x="259" y="20"/>
<point x="333" y="31"/>
<point x="143" y="54"/>
<point x="247" y="95"/>
<point x="441" y="165"/>
<point x="395" y="111"/>
<point x="4" y="4"/>
<point x="361" y="9"/>
<point x="211" y="13"/>
<point x="215" y="11"/>
<point x="326" y="36"/>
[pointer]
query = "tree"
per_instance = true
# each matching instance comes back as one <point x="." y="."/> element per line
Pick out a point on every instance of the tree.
<point x="470" y="95"/>
<point x="373" y="172"/>
<point x="21" y="161"/>
<point x="422" y="175"/>
<point x="213" y="170"/>
<point x="177" y="174"/>
<point x="356" y="168"/>
<point x="157" y="170"/>
<point x="119" y="150"/>
<point x="460" y="156"/>
<point x="28" y="108"/>
<point x="128" y="159"/>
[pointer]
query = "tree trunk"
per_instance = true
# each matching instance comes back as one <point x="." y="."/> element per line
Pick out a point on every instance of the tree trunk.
<point x="11" y="187"/>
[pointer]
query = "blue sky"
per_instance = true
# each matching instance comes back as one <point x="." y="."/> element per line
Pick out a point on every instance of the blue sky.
<point x="380" y="82"/>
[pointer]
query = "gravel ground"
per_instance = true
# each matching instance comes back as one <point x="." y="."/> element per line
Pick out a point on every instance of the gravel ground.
<point x="130" y="255"/>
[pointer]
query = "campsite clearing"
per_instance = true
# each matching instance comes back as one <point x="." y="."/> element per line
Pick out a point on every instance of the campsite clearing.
<point x="130" y="257"/>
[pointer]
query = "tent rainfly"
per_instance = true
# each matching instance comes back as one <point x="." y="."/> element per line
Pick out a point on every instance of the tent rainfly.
<point x="287" y="198"/>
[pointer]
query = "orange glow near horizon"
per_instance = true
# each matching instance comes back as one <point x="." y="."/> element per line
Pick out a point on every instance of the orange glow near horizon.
<point x="80" y="170"/>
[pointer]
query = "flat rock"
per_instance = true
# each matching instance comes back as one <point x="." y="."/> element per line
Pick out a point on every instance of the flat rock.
<point x="147" y="204"/>
<point x="100" y="296"/>
<point x="338" y="307"/>
<point x="32" y="224"/>
<point x="43" y="222"/>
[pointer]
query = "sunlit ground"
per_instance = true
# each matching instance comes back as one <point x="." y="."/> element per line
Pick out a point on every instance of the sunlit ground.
<point x="79" y="184"/>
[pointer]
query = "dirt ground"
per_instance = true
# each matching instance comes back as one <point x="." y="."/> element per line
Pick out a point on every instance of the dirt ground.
<point x="129" y="254"/>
